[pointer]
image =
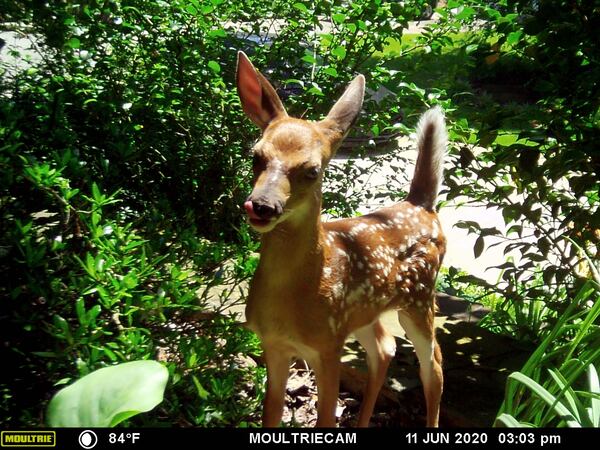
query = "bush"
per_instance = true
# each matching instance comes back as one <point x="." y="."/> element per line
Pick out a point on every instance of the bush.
<point x="534" y="159"/>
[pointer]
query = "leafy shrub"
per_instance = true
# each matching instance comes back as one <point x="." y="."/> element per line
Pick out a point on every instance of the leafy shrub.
<point x="102" y="295"/>
<point x="534" y="158"/>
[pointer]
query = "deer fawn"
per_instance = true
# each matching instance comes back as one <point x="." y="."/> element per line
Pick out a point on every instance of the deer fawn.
<point x="318" y="282"/>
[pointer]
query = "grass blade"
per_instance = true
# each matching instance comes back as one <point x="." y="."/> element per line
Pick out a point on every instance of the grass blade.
<point x="594" y="388"/>
<point x="506" y="420"/>
<point x="547" y="397"/>
<point x="567" y="392"/>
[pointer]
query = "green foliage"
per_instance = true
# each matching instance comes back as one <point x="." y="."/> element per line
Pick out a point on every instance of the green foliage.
<point x="100" y="294"/>
<point x="532" y="115"/>
<point x="108" y="396"/>
<point x="558" y="386"/>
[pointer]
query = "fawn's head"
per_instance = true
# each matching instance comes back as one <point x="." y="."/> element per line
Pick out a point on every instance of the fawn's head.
<point x="289" y="158"/>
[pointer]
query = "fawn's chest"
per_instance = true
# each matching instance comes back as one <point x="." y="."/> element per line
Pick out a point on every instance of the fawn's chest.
<point x="284" y="303"/>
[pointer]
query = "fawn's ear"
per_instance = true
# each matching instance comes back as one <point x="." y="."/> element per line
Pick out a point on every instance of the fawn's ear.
<point x="259" y="100"/>
<point x="344" y="113"/>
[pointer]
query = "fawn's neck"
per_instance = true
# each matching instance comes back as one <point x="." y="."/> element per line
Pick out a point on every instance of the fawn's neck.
<point x="296" y="243"/>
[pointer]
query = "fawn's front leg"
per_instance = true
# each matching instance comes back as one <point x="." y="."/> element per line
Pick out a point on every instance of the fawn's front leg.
<point x="278" y="369"/>
<point x="327" y="373"/>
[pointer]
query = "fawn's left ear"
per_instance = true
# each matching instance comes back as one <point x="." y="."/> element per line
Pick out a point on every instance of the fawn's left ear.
<point x="344" y="113"/>
<point x="259" y="99"/>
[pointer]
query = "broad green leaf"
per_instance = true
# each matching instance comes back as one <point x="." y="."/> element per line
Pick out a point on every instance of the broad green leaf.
<point x="110" y="395"/>
<point x="309" y="58"/>
<point x="74" y="42"/>
<point x="340" y="52"/>
<point x="219" y="32"/>
<point x="466" y="13"/>
<point x="514" y="37"/>
<point x="301" y="7"/>
<point x="338" y="18"/>
<point x="214" y="66"/>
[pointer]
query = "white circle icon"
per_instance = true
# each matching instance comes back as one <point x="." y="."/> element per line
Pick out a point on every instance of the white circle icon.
<point x="88" y="439"/>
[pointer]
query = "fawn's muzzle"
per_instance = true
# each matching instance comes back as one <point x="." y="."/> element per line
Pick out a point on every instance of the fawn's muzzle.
<point x="261" y="213"/>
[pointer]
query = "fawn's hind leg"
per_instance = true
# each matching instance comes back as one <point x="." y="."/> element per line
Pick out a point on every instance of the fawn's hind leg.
<point x="419" y="328"/>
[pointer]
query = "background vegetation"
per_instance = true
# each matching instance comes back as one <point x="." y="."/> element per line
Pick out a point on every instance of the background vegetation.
<point x="123" y="157"/>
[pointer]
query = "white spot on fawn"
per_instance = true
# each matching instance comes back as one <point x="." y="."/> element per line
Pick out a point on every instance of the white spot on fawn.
<point x="337" y="290"/>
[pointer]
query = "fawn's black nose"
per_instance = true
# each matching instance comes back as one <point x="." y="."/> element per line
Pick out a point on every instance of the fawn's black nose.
<point x="264" y="210"/>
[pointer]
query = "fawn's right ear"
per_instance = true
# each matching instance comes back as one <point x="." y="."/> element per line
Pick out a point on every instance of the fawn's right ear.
<point x="259" y="99"/>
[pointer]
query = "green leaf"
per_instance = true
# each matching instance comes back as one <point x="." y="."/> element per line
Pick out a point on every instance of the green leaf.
<point x="340" y="52"/>
<point x="309" y="58"/>
<point x="96" y="193"/>
<point x="202" y="393"/>
<point x="466" y="13"/>
<point x="471" y="48"/>
<point x="74" y="42"/>
<point x="110" y="395"/>
<point x="567" y="393"/>
<point x="339" y="18"/>
<point x="301" y="7"/>
<point x="514" y="37"/>
<point x="508" y="421"/>
<point x="80" y="310"/>
<point x="93" y="313"/>
<point x="594" y="388"/>
<point x="219" y="32"/>
<point x="315" y="90"/>
<point x="478" y="248"/>
<point x="214" y="66"/>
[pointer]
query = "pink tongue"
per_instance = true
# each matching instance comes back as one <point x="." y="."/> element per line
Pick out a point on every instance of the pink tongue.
<point x="250" y="210"/>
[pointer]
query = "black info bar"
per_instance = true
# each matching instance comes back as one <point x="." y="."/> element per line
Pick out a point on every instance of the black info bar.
<point x="198" y="438"/>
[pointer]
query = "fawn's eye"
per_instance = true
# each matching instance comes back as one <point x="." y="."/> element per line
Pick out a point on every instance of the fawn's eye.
<point x="313" y="172"/>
